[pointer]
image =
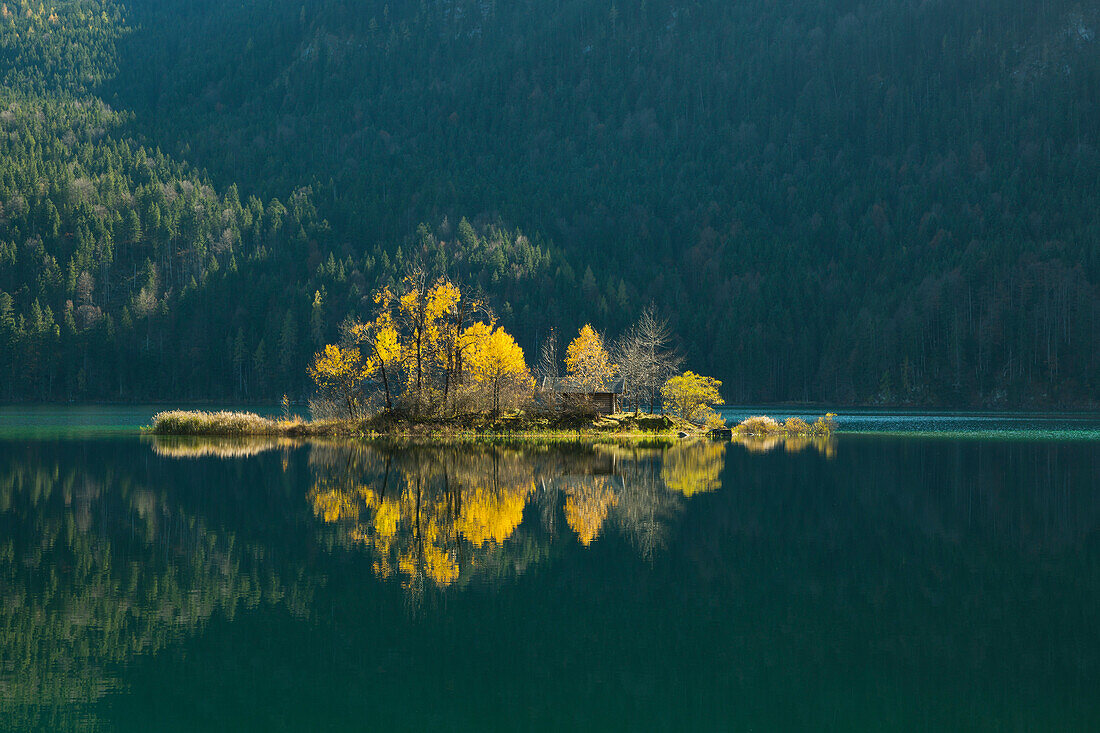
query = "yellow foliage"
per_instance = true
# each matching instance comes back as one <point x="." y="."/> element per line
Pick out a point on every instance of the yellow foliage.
<point x="415" y="529"/>
<point x="473" y="338"/>
<point x="426" y="307"/>
<point x="334" y="363"/>
<point x="382" y="343"/>
<point x="339" y="372"/>
<point x="333" y="505"/>
<point x="382" y="339"/>
<point x="587" y="361"/>
<point x="694" y="469"/>
<point x="691" y="395"/>
<point x="427" y="346"/>
<point x="586" y="508"/>
<point x="496" y="362"/>
<point x="423" y="311"/>
<point x="489" y="515"/>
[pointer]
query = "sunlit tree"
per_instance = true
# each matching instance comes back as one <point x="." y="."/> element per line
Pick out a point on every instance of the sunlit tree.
<point x="421" y="311"/>
<point x="549" y="366"/>
<point x="649" y="346"/>
<point x="338" y="374"/>
<point x="691" y="396"/>
<point x="587" y="361"/>
<point x="380" y="342"/>
<point x="497" y="365"/>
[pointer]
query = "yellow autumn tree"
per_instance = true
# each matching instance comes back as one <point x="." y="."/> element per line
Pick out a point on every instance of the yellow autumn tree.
<point x="429" y="344"/>
<point x="338" y="373"/>
<point x="691" y="396"/>
<point x="455" y="342"/>
<point x="587" y="361"/>
<point x="421" y="313"/>
<point x="496" y="364"/>
<point x="381" y="343"/>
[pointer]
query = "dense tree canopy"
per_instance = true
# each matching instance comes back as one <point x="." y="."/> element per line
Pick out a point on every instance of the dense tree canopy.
<point x="891" y="202"/>
<point x="430" y="351"/>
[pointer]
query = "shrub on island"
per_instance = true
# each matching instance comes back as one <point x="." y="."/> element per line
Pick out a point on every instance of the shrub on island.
<point x="195" y="422"/>
<point x="763" y="426"/>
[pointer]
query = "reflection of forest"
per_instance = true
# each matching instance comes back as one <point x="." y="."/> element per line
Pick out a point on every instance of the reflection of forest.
<point x="448" y="514"/>
<point x="98" y="567"/>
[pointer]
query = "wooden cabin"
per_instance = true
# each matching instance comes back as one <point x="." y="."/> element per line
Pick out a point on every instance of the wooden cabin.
<point x="607" y="398"/>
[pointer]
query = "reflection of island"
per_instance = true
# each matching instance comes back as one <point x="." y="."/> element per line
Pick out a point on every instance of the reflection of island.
<point x="449" y="514"/>
<point x="99" y="567"/>
<point x="823" y="444"/>
<point x="226" y="447"/>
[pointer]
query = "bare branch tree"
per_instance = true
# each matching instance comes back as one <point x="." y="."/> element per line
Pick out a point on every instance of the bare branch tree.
<point x="549" y="366"/>
<point x="661" y="359"/>
<point x="631" y="358"/>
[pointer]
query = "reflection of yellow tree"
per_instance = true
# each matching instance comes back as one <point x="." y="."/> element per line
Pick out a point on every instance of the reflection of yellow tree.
<point x="490" y="516"/>
<point x="427" y="514"/>
<point x="694" y="468"/>
<point x="428" y="546"/>
<point x="442" y="515"/>
<point x="588" y="500"/>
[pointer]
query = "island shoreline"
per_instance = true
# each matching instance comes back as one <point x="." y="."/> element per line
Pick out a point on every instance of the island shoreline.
<point x="550" y="427"/>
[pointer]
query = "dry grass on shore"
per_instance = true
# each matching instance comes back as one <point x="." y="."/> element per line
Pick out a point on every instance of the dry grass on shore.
<point x="763" y="426"/>
<point x="190" y="422"/>
<point x="187" y="422"/>
<point x="237" y="424"/>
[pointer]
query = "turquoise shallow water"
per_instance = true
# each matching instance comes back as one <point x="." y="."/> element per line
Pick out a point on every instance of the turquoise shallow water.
<point x="961" y="425"/>
<point x="879" y="581"/>
<point x="83" y="421"/>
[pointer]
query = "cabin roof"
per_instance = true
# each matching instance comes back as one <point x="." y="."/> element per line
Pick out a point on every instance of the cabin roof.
<point x="568" y="385"/>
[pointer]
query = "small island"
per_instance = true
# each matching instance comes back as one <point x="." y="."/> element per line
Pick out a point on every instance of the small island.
<point x="433" y="362"/>
<point x="519" y="424"/>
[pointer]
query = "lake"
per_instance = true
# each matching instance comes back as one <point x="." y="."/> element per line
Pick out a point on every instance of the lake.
<point x="917" y="572"/>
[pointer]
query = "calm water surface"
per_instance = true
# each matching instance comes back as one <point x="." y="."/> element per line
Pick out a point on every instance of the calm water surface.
<point x="946" y="578"/>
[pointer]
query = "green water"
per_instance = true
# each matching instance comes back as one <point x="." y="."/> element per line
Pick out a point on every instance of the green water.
<point x="877" y="582"/>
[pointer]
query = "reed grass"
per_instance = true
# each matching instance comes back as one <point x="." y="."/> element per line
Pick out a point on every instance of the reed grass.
<point x="240" y="424"/>
<point x="764" y="426"/>
<point x="194" y="422"/>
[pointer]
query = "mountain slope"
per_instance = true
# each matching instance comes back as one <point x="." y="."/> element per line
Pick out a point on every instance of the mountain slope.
<point x="841" y="201"/>
<point x="124" y="274"/>
<point x="834" y="201"/>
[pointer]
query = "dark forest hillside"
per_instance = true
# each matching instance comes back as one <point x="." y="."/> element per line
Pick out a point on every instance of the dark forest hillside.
<point x="836" y="201"/>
